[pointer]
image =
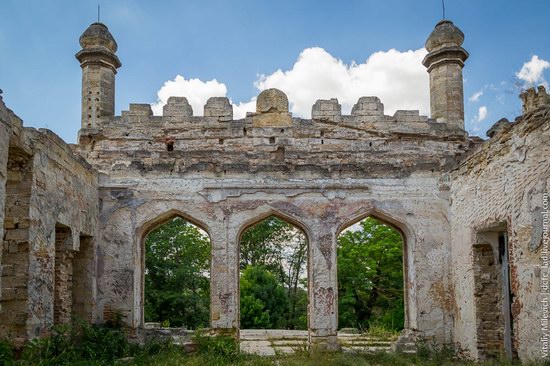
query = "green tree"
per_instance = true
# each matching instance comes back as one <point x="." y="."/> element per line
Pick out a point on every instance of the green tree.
<point x="263" y="299"/>
<point x="177" y="284"/>
<point x="281" y="249"/>
<point x="370" y="276"/>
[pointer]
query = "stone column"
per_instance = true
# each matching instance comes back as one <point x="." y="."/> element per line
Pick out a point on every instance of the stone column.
<point x="445" y="61"/>
<point x="323" y="285"/>
<point x="99" y="64"/>
<point x="224" y="280"/>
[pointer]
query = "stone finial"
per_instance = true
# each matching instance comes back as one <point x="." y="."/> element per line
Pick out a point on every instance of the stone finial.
<point x="445" y="33"/>
<point x="532" y="99"/>
<point x="177" y="107"/>
<point x="98" y="35"/>
<point x="272" y="100"/>
<point x="219" y="107"/>
<point x="98" y="46"/>
<point x="368" y="106"/>
<point x="271" y="110"/>
<point x="326" y="109"/>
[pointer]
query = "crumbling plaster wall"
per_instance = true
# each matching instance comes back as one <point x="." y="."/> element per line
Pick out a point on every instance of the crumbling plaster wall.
<point x="63" y="190"/>
<point x="5" y="129"/>
<point x="503" y="181"/>
<point x="322" y="175"/>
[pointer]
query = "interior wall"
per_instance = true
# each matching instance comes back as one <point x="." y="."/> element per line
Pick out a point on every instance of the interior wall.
<point x="13" y="312"/>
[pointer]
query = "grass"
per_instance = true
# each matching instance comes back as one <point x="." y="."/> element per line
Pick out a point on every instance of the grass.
<point x="176" y="358"/>
<point x="107" y="345"/>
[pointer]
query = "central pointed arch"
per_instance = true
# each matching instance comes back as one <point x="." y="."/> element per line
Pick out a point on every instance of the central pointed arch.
<point x="294" y="258"/>
<point x="407" y="240"/>
<point x="197" y="233"/>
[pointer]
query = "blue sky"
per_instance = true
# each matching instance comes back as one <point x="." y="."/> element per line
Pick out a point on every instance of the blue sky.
<point x="236" y="42"/>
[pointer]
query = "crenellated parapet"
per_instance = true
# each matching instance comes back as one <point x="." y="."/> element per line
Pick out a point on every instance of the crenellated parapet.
<point x="272" y="112"/>
<point x="270" y="141"/>
<point x="534" y="98"/>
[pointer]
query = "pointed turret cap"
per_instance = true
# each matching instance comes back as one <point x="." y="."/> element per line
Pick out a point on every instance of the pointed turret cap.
<point x="98" y="35"/>
<point x="444" y="34"/>
<point x="98" y="45"/>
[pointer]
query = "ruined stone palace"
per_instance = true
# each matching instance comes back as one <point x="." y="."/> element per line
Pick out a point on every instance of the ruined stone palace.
<point x="74" y="217"/>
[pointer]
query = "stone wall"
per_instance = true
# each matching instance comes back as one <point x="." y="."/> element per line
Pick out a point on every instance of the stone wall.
<point x="47" y="185"/>
<point x="84" y="287"/>
<point x="488" y="304"/>
<point x="5" y="129"/>
<point x="63" y="272"/>
<point x="321" y="175"/>
<point x="502" y="183"/>
<point x="15" y="259"/>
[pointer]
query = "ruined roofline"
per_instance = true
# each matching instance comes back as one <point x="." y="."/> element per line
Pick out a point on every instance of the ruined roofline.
<point x="322" y="109"/>
<point x="500" y="133"/>
<point x="272" y="112"/>
<point x="534" y="98"/>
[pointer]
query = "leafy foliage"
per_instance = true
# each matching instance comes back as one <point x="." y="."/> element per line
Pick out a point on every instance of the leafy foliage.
<point x="370" y="276"/>
<point x="85" y="344"/>
<point x="6" y="352"/>
<point x="263" y="299"/>
<point x="222" y="346"/>
<point x="177" y="284"/>
<point x="273" y="251"/>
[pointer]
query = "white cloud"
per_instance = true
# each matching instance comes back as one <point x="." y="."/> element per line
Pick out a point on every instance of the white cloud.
<point x="482" y="113"/>
<point x="532" y="72"/>
<point x="475" y="97"/>
<point x="196" y="91"/>
<point x="240" y="109"/>
<point x="397" y="78"/>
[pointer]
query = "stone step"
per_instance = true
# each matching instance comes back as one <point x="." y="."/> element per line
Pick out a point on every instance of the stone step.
<point x="368" y="338"/>
<point x="365" y="344"/>
<point x="366" y="349"/>
<point x="375" y="340"/>
<point x="260" y="351"/>
<point x="289" y="342"/>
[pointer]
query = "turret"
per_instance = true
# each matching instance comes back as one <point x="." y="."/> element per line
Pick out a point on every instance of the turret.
<point x="99" y="65"/>
<point x="445" y="61"/>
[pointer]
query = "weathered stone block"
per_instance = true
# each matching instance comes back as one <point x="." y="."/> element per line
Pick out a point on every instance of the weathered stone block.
<point x="326" y="109"/>
<point x="219" y="107"/>
<point x="272" y="100"/>
<point x="368" y="106"/>
<point x="409" y="116"/>
<point x="177" y="107"/>
<point x="273" y="119"/>
<point x="143" y="110"/>
<point x="498" y="127"/>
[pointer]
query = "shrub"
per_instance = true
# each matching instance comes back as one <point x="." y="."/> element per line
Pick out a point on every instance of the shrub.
<point x="220" y="346"/>
<point x="6" y="353"/>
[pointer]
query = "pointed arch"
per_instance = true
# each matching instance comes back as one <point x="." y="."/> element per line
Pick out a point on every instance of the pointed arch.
<point x="264" y="214"/>
<point x="401" y="226"/>
<point x="158" y="220"/>
<point x="143" y="231"/>
<point x="408" y="240"/>
<point x="260" y="215"/>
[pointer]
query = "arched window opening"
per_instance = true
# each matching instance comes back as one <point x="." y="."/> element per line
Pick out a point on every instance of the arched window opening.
<point x="177" y="275"/>
<point x="370" y="277"/>
<point x="273" y="282"/>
